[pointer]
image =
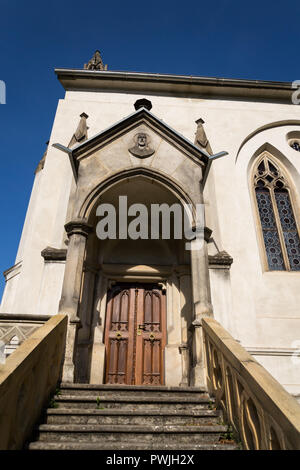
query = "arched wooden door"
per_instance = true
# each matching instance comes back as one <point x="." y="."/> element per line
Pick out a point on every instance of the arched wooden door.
<point x="135" y="334"/>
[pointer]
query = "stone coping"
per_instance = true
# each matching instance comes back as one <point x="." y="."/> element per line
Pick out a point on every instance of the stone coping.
<point x="27" y="380"/>
<point x="23" y="317"/>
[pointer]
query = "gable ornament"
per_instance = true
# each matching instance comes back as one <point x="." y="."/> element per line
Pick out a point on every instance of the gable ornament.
<point x="141" y="147"/>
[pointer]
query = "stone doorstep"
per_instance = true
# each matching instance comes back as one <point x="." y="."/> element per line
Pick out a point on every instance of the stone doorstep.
<point x="134" y="399"/>
<point x="117" y="438"/>
<point x="133" y="417"/>
<point x="120" y="393"/>
<point x="147" y="388"/>
<point x="127" y="429"/>
<point x="201" y="435"/>
<point x="128" y="412"/>
<point x="126" y="392"/>
<point x="131" y="420"/>
<point x="74" y="402"/>
<point x="115" y="416"/>
<point x="44" y="445"/>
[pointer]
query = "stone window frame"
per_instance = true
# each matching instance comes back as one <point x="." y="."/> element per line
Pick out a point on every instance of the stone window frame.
<point x="289" y="186"/>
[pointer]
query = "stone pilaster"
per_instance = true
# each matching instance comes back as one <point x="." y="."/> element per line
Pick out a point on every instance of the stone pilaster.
<point x="77" y="231"/>
<point x="202" y="305"/>
<point x="186" y="318"/>
<point x="200" y="278"/>
<point x="185" y="364"/>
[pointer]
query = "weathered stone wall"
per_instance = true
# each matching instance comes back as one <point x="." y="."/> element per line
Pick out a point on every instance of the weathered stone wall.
<point x="27" y="380"/>
<point x="260" y="308"/>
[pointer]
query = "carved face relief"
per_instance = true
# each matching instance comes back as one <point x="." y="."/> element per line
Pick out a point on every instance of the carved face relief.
<point x="141" y="148"/>
<point x="142" y="140"/>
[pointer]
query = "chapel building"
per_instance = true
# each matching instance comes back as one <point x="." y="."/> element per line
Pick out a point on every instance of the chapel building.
<point x="135" y="304"/>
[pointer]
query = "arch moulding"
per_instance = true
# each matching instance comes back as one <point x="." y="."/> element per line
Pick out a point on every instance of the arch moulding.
<point x="167" y="182"/>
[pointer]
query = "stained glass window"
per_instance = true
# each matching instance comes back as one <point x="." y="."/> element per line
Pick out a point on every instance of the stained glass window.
<point x="277" y="219"/>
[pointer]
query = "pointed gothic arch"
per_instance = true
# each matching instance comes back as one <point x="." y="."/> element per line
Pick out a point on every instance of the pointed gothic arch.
<point x="133" y="265"/>
<point x="276" y="214"/>
<point x="148" y="173"/>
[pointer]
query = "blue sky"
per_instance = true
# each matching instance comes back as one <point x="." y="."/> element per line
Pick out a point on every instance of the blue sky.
<point x="255" y="40"/>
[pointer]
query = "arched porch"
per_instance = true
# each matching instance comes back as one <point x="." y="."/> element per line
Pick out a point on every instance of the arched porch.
<point x="95" y="265"/>
<point x="148" y="266"/>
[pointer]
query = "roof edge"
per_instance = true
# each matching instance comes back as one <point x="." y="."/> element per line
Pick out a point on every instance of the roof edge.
<point x="166" y="83"/>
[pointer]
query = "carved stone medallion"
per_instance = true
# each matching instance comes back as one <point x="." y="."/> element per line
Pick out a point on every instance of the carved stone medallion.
<point x="141" y="148"/>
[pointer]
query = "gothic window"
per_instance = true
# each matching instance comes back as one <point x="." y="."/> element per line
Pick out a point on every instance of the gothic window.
<point x="277" y="217"/>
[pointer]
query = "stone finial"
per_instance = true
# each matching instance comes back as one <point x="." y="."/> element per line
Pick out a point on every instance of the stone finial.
<point x="95" y="63"/>
<point x="201" y="140"/>
<point x="143" y="103"/>
<point x="80" y="135"/>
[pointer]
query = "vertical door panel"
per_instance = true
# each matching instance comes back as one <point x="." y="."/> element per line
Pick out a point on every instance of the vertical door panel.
<point x="151" y="337"/>
<point x="135" y="335"/>
<point x="117" y="335"/>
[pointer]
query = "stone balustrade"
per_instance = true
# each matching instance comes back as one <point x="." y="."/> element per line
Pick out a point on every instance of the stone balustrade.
<point x="16" y="328"/>
<point x="27" y="380"/>
<point x="261" y="412"/>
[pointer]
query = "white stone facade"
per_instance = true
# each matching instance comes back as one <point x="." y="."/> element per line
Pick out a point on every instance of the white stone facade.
<point x="260" y="308"/>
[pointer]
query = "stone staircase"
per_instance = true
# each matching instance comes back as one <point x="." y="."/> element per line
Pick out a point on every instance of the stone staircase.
<point x="121" y="417"/>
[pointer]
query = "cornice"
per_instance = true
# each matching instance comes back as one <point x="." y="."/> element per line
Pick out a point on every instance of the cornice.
<point x="178" y="85"/>
<point x="13" y="270"/>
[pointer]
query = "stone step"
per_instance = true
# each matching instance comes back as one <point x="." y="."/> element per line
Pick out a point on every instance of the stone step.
<point x="126" y="433"/>
<point x="138" y="390"/>
<point x="131" y="401"/>
<point x="141" y="445"/>
<point x="132" y="417"/>
<point x="116" y="417"/>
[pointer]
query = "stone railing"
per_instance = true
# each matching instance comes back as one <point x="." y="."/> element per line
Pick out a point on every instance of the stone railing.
<point x="261" y="412"/>
<point x="27" y="380"/>
<point x="16" y="328"/>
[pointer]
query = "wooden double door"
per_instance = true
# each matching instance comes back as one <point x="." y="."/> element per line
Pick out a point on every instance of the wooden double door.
<point x="135" y="334"/>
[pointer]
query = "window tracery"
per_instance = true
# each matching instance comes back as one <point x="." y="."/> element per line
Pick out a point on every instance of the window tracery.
<point x="277" y="218"/>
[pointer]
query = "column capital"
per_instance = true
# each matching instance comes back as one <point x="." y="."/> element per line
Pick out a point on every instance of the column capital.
<point x="78" y="227"/>
<point x="206" y="232"/>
